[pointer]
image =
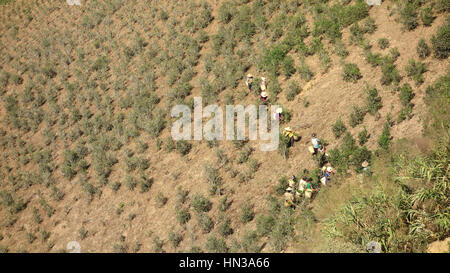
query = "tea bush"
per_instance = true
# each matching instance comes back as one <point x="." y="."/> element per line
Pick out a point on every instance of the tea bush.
<point x="293" y="90"/>
<point x="339" y="128"/>
<point x="205" y="222"/>
<point x="441" y="41"/>
<point x="200" y="203"/>
<point x="384" y="141"/>
<point x="427" y="16"/>
<point x="357" y="116"/>
<point x="373" y="101"/>
<point x="363" y="136"/>
<point x="247" y="213"/>
<point x="383" y="43"/>
<point x="216" y="245"/>
<point x="415" y="70"/>
<point x="423" y="50"/>
<point x="351" y="73"/>
<point x="408" y="15"/>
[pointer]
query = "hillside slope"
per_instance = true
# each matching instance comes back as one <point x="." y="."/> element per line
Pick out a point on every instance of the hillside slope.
<point x="87" y="91"/>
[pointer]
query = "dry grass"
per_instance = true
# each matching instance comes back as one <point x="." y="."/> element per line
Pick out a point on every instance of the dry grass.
<point x="86" y="93"/>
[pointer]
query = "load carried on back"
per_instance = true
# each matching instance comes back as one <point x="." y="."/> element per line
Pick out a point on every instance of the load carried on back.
<point x="296" y="192"/>
<point x="326" y="173"/>
<point x="291" y="135"/>
<point x="249" y="81"/>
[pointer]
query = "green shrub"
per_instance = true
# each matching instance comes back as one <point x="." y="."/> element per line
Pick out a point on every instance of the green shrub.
<point x="405" y="112"/>
<point x="348" y="154"/>
<point x="216" y="245"/>
<point x="202" y="37"/>
<point x="226" y="12"/>
<point x="374" y="59"/>
<point x="115" y="186"/>
<point x="406" y="169"/>
<point x="157" y="244"/>
<point x="293" y="90"/>
<point x="145" y="183"/>
<point x="282" y="185"/>
<point x="423" y="50"/>
<point x="265" y="224"/>
<point x="249" y="242"/>
<point x="200" y="203"/>
<point x="406" y="94"/>
<point x="244" y="154"/>
<point x="175" y="238"/>
<point x="13" y="206"/>
<point x="44" y="235"/>
<point x="82" y="233"/>
<point x="273" y="57"/>
<point x="325" y="60"/>
<point x="49" y="71"/>
<point x="338" y="128"/>
<point x="253" y="165"/>
<point x="441" y="41"/>
<point x="390" y="73"/>
<point x="373" y="101"/>
<point x="283" y="230"/>
<point x="205" y="222"/>
<point x="384" y="141"/>
<point x="204" y="18"/>
<point x="130" y="182"/>
<point x="357" y="116"/>
<point x="415" y="70"/>
<point x="442" y="6"/>
<point x="368" y="25"/>
<point x="31" y="237"/>
<point x="16" y="79"/>
<point x="340" y="49"/>
<point x="383" y="43"/>
<point x="357" y="34"/>
<point x="305" y="72"/>
<point x="247" y="213"/>
<point x="363" y="136"/>
<point x="224" y="204"/>
<point x="394" y="54"/>
<point x="213" y="178"/>
<point x="244" y="25"/>
<point x="183" y="147"/>
<point x="427" y="16"/>
<point x="351" y="73"/>
<point x="182" y="195"/>
<point x="163" y="15"/>
<point x="102" y="62"/>
<point x="408" y="15"/>
<point x="141" y="147"/>
<point x="170" y="144"/>
<point x="36" y="216"/>
<point x="183" y="216"/>
<point x="287" y="66"/>
<point x="224" y="227"/>
<point x="160" y="200"/>
<point x="4" y="249"/>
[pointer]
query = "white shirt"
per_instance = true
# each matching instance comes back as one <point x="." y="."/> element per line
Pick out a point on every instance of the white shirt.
<point x="301" y="185"/>
<point x="315" y="142"/>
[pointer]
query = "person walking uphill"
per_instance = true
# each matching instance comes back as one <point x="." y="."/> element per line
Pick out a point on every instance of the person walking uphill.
<point x="309" y="190"/>
<point x="279" y="114"/>
<point x="249" y="81"/>
<point x="315" y="143"/>
<point x="263" y="97"/>
<point x="263" y="84"/>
